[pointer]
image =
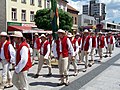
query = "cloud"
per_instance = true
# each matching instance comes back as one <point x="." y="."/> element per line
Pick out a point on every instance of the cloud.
<point x="112" y="8"/>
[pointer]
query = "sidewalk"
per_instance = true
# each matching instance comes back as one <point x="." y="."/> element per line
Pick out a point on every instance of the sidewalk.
<point x="94" y="82"/>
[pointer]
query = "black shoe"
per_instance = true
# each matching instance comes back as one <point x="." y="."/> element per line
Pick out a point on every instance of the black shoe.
<point x="89" y="64"/>
<point x="60" y="84"/>
<point x="36" y="76"/>
<point x="49" y="74"/>
<point x="66" y="84"/>
<point x="106" y="56"/>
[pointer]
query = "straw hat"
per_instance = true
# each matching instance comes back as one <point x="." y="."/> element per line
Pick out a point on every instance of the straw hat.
<point x="3" y="34"/>
<point x="43" y="35"/>
<point x="86" y="31"/>
<point x="69" y="35"/>
<point x="17" y="34"/>
<point x="36" y="34"/>
<point x="61" y="31"/>
<point x="99" y="32"/>
<point x="77" y="34"/>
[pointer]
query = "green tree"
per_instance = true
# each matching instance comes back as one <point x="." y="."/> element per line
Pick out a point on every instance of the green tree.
<point x="43" y="20"/>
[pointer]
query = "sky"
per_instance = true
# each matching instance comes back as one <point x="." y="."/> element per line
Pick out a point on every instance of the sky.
<point x="112" y="8"/>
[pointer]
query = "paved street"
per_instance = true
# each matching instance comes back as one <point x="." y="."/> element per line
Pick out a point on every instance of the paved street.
<point x="101" y="76"/>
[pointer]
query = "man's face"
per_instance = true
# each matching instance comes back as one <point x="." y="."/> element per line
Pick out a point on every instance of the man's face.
<point x="60" y="35"/>
<point x="16" y="39"/>
<point x="43" y="39"/>
<point x="3" y="38"/>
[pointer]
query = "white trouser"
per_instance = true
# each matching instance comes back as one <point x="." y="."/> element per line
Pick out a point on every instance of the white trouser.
<point x="41" y="62"/>
<point x="74" y="63"/>
<point x="36" y="53"/>
<point x="109" y="48"/>
<point x="6" y="74"/>
<point x="100" y="52"/>
<point x="84" y="54"/>
<point x="20" y="80"/>
<point x="92" y="53"/>
<point x="63" y="68"/>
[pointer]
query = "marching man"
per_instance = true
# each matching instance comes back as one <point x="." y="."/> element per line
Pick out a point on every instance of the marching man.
<point x="94" y="40"/>
<point x="101" y="43"/>
<point x="110" y="42"/>
<point x="76" y="50"/>
<point x="44" y="55"/>
<point x="23" y="62"/>
<point x="36" y="46"/>
<point x="7" y="55"/>
<point x="85" y="47"/>
<point x="61" y="49"/>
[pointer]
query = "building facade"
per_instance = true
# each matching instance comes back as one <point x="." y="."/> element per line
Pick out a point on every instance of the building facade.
<point x="21" y="12"/>
<point x="95" y="9"/>
<point x="74" y="13"/>
<point x="86" y="22"/>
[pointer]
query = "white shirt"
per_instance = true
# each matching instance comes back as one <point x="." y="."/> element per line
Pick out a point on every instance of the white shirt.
<point x="23" y="60"/>
<point x="11" y="50"/>
<point x="70" y="48"/>
<point x="48" y="50"/>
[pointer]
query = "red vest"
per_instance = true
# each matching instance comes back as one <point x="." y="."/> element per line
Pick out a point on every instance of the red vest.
<point x="74" y="44"/>
<point x="18" y="57"/>
<point x="100" y="41"/>
<point x="109" y="38"/>
<point x="93" y="41"/>
<point x="37" y="41"/>
<point x="64" y="47"/>
<point x="6" y="51"/>
<point x="85" y="43"/>
<point x="79" y="40"/>
<point x="44" y="47"/>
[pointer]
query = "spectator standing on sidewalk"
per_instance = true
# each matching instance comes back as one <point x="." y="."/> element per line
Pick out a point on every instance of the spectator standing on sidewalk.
<point x="23" y="62"/>
<point x="7" y="55"/>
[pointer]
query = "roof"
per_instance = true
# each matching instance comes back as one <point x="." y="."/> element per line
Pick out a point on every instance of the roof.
<point x="65" y="1"/>
<point x="25" y="29"/>
<point x="71" y="8"/>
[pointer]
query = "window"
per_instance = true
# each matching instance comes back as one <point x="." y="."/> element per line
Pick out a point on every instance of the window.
<point x="23" y="15"/>
<point x="23" y="1"/>
<point x="31" y="2"/>
<point x="75" y="20"/>
<point x="14" y="0"/>
<point x="48" y="3"/>
<point x="14" y="14"/>
<point x="39" y="3"/>
<point x="31" y="16"/>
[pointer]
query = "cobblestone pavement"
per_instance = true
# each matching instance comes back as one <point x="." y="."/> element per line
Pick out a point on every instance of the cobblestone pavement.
<point x="101" y="76"/>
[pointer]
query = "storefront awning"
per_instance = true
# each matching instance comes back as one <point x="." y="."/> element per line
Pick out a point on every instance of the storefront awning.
<point x="25" y="29"/>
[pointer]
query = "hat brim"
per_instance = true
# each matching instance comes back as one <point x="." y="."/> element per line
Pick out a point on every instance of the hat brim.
<point x="4" y="35"/>
<point x="15" y="36"/>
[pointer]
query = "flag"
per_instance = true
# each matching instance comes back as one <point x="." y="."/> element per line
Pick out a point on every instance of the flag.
<point x="55" y="18"/>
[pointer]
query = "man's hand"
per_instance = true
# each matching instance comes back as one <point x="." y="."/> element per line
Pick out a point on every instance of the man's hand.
<point x="73" y="58"/>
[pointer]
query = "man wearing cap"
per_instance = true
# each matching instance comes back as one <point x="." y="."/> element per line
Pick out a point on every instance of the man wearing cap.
<point x="61" y="49"/>
<point x="110" y="42"/>
<point x="94" y="40"/>
<point x="23" y="62"/>
<point x="76" y="50"/>
<point x="36" y="46"/>
<point x="79" y="39"/>
<point x="7" y="55"/>
<point x="101" y="43"/>
<point x="44" y="55"/>
<point x="85" y="47"/>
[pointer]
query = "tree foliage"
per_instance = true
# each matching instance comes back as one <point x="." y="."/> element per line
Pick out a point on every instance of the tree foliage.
<point x="43" y="20"/>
